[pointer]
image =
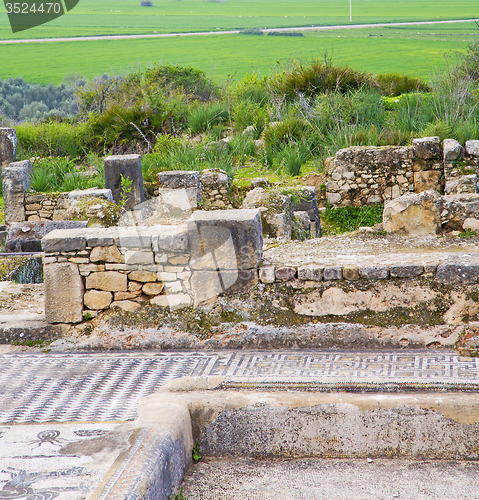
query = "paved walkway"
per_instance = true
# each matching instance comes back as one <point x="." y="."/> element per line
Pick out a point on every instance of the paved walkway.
<point x="107" y="386"/>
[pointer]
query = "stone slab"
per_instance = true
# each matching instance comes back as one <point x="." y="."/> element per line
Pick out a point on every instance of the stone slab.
<point x="462" y="269"/>
<point x="28" y="236"/>
<point x="8" y="146"/>
<point x="178" y="179"/>
<point x="78" y="194"/>
<point x="226" y="240"/>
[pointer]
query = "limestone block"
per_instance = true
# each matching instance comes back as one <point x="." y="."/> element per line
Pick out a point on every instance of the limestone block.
<point x="208" y="285"/>
<point x="78" y="194"/>
<point x="8" y="146"/>
<point x="333" y="273"/>
<point x="427" y="148"/>
<point x="96" y="299"/>
<point x="285" y="273"/>
<point x="457" y="209"/>
<point x="28" y="236"/>
<point x="178" y="179"/>
<point x="152" y="288"/>
<point x="138" y="257"/>
<point x="225" y="240"/>
<point x="471" y="223"/>
<point x="472" y="148"/>
<point x="173" y="287"/>
<point x="110" y="281"/>
<point x="126" y="305"/>
<point x="460" y="185"/>
<point x="414" y="213"/>
<point x="107" y="254"/>
<point x="374" y="272"/>
<point x="214" y="177"/>
<point x="135" y="237"/>
<point x="267" y="274"/>
<point x="176" y="301"/>
<point x="334" y="198"/>
<point x="276" y="211"/>
<point x="310" y="273"/>
<point x="128" y="166"/>
<point x="452" y="150"/>
<point x="142" y="276"/>
<point x="177" y="203"/>
<point x="63" y="293"/>
<point x="461" y="269"/>
<point x="170" y="239"/>
<point x="126" y="295"/>
<point x="405" y="270"/>
<point x="427" y="179"/>
<point x="15" y="182"/>
<point x="134" y="286"/>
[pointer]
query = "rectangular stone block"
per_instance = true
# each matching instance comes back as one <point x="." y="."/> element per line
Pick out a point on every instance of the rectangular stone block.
<point x="138" y="257"/>
<point x="463" y="269"/>
<point x="64" y="240"/>
<point x="109" y="281"/>
<point x="177" y="179"/>
<point x="374" y="272"/>
<point x="333" y="273"/>
<point x="135" y="237"/>
<point x="8" y="146"/>
<point x="128" y="166"/>
<point x="405" y="270"/>
<point x="208" y="285"/>
<point x="63" y="293"/>
<point x="267" y="274"/>
<point x="310" y="273"/>
<point x="15" y="182"/>
<point x="170" y="239"/>
<point x="285" y="273"/>
<point x="226" y="239"/>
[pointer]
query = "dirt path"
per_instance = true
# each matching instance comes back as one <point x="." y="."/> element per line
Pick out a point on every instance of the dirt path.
<point x="235" y="32"/>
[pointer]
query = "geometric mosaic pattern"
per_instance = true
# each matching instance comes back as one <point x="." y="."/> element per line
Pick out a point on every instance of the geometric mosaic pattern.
<point x="107" y="386"/>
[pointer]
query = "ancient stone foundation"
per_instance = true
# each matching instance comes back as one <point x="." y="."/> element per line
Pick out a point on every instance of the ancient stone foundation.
<point x="371" y="175"/>
<point x="93" y="269"/>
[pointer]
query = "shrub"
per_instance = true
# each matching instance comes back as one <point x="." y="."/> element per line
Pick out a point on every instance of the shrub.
<point x="52" y="138"/>
<point x="48" y="173"/>
<point x="395" y="84"/>
<point x="317" y="78"/>
<point x="205" y="116"/>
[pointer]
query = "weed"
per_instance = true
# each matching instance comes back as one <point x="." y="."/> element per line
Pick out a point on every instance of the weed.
<point x="126" y="183"/>
<point x="468" y="233"/>
<point x="196" y="452"/>
<point x="346" y="219"/>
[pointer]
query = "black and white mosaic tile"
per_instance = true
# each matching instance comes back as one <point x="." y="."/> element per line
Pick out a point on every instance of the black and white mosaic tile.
<point x="107" y="387"/>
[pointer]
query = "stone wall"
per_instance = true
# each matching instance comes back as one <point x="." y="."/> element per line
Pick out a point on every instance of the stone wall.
<point x="372" y="175"/>
<point x="41" y="207"/>
<point x="93" y="269"/>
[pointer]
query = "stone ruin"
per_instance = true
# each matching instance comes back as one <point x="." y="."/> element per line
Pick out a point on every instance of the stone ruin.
<point x="374" y="175"/>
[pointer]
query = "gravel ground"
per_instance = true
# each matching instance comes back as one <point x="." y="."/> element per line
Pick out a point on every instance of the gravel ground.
<point x="381" y="479"/>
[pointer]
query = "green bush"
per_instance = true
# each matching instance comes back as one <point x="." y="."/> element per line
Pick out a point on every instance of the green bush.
<point x="395" y="84"/>
<point x="317" y="78"/>
<point x="53" y="138"/>
<point x="206" y="116"/>
<point x="49" y="173"/>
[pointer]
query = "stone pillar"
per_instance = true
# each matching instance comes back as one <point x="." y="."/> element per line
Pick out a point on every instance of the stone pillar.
<point x="63" y="293"/>
<point x="15" y="181"/>
<point x="8" y="146"/>
<point x="226" y="248"/>
<point x="128" y="166"/>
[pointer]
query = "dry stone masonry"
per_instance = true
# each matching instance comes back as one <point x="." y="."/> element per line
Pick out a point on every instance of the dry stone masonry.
<point x="93" y="269"/>
<point x="371" y="175"/>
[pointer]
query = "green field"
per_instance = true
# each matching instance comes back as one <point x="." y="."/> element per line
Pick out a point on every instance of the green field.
<point x="412" y="50"/>
<point x="92" y="17"/>
<point x="383" y="50"/>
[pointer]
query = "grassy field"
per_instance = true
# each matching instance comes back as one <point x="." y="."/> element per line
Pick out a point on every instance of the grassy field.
<point x="93" y="17"/>
<point x="412" y="51"/>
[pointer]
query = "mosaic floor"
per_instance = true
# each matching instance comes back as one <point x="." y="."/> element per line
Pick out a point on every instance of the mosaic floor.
<point x="106" y="387"/>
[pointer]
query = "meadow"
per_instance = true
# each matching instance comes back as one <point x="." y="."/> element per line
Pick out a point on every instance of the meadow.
<point x="413" y="51"/>
<point x="101" y="17"/>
